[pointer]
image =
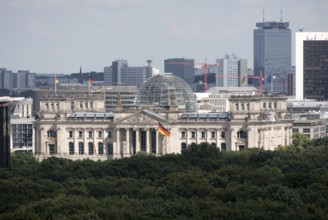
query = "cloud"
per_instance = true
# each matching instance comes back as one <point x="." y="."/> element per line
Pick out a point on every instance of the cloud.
<point x="177" y="29"/>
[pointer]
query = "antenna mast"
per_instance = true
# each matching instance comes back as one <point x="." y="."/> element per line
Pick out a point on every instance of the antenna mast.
<point x="263" y="15"/>
<point x="280" y="15"/>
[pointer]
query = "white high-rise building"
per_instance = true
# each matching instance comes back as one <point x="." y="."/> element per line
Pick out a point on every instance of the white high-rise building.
<point x="232" y="71"/>
<point x="310" y="75"/>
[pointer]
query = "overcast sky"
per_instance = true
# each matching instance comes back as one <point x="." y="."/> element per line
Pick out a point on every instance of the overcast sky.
<point x="47" y="36"/>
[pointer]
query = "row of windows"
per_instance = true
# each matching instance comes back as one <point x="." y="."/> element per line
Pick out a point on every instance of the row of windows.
<point x="86" y="104"/>
<point x="240" y="134"/>
<point x="241" y="106"/>
<point x="100" y="134"/>
<point x="223" y="146"/>
<point x="269" y="104"/>
<point x="305" y="130"/>
<point x="91" y="148"/>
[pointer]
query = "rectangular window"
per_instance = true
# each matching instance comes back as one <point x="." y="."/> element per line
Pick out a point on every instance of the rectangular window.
<point x="213" y="134"/>
<point x="90" y="134"/>
<point x="51" y="149"/>
<point x="80" y="134"/>
<point x="264" y="105"/>
<point x="109" y="134"/>
<point x="100" y="149"/>
<point x="203" y="134"/>
<point x="269" y="104"/>
<point x="193" y="134"/>
<point x="70" y="134"/>
<point x="222" y="134"/>
<point x="306" y="130"/>
<point x="71" y="148"/>
<point x="91" y="104"/>
<point x="81" y="148"/>
<point x="90" y="148"/>
<point x="295" y="130"/>
<point x="275" y="105"/>
<point x="100" y="134"/>
<point x="183" y="134"/>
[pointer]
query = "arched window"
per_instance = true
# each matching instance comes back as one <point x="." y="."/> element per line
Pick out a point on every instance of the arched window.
<point x="81" y="148"/>
<point x="213" y="144"/>
<point x="71" y="148"/>
<point x="241" y="134"/>
<point x="223" y="147"/>
<point x="91" y="148"/>
<point x="100" y="148"/>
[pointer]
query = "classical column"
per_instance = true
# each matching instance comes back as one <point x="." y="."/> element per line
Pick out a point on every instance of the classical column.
<point x="75" y="142"/>
<point x="95" y="145"/>
<point x="137" y="140"/>
<point x="58" y="138"/>
<point x="118" y="143"/>
<point x="128" y="141"/>
<point x="147" y="141"/>
<point x="42" y="141"/>
<point x="217" y="137"/>
<point x="157" y="143"/>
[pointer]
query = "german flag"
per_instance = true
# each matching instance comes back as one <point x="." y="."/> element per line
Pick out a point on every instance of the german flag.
<point x="163" y="130"/>
<point x="90" y="80"/>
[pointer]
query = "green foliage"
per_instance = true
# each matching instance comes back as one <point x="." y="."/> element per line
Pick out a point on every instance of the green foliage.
<point x="201" y="183"/>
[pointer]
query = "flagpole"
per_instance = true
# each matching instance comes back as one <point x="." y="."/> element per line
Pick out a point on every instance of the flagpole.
<point x="55" y="83"/>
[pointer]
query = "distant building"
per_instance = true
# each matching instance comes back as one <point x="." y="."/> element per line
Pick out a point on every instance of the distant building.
<point x="81" y="129"/>
<point x="21" y="122"/>
<point x="120" y="73"/>
<point x="22" y="80"/>
<point x="312" y="65"/>
<point x="7" y="79"/>
<point x="182" y="68"/>
<point x="232" y="71"/>
<point x="272" y="55"/>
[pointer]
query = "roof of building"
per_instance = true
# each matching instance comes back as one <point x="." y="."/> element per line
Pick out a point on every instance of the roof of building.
<point x="91" y="115"/>
<point x="210" y="115"/>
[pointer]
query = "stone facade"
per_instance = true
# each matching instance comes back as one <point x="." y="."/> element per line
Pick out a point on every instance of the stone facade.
<point x="76" y="129"/>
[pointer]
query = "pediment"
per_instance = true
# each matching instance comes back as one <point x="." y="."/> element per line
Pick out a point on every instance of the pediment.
<point x="142" y="117"/>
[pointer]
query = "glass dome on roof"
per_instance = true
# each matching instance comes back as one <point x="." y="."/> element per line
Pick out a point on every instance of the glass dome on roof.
<point x="159" y="89"/>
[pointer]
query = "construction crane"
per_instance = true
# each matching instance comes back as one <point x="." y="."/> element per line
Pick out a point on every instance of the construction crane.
<point x="260" y="78"/>
<point x="205" y="65"/>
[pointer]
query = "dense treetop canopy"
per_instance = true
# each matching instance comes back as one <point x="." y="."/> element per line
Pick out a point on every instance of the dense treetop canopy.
<point x="201" y="183"/>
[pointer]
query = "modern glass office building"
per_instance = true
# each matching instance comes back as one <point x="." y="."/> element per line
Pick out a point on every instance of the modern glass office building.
<point x="183" y="68"/>
<point x="272" y="55"/>
<point x="311" y="65"/>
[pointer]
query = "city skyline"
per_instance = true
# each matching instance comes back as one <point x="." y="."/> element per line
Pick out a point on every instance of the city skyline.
<point x="61" y="35"/>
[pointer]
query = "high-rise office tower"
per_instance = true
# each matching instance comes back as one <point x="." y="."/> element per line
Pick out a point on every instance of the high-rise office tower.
<point x="183" y="68"/>
<point x="272" y="55"/>
<point x="120" y="73"/>
<point x="232" y="71"/>
<point x="312" y="65"/>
